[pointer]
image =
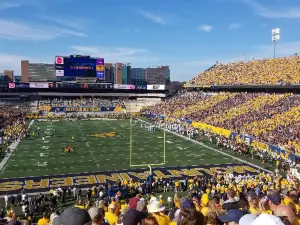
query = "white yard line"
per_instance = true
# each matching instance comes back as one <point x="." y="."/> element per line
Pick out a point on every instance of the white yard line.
<point x="89" y="148"/>
<point x="12" y="148"/>
<point x="208" y="147"/>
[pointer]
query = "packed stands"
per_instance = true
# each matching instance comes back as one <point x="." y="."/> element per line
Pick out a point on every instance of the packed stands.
<point x="12" y="125"/>
<point x="255" y="72"/>
<point x="271" y="118"/>
<point x="221" y="199"/>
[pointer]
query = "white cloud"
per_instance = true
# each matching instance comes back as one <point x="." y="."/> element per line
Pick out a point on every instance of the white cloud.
<point x="20" y="31"/>
<point x="7" y="5"/>
<point x="282" y="13"/>
<point x="153" y="17"/>
<point x="205" y="27"/>
<point x="135" y="56"/>
<point x="75" y="23"/>
<point x="234" y="26"/>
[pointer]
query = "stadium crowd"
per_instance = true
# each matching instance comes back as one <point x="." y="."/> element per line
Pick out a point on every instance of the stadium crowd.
<point x="12" y="126"/>
<point x="224" y="198"/>
<point x="263" y="72"/>
<point x="270" y="118"/>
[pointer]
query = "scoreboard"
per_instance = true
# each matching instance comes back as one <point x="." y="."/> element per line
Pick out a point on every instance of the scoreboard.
<point x="79" y="66"/>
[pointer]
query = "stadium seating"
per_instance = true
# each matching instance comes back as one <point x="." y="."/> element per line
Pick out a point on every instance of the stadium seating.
<point x="271" y="118"/>
<point x="263" y="72"/>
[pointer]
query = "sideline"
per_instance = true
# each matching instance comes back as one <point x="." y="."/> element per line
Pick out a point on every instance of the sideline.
<point x="208" y="147"/>
<point x="12" y="147"/>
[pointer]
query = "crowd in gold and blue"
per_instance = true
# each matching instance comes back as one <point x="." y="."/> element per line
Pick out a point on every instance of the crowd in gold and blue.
<point x="262" y="199"/>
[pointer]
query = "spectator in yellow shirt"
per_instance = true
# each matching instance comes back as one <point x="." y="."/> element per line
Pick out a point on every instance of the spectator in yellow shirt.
<point x="44" y="220"/>
<point x="110" y="216"/>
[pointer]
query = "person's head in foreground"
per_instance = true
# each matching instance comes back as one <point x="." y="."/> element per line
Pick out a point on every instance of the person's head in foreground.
<point x="150" y="221"/>
<point x="97" y="215"/>
<point x="191" y="216"/>
<point x="232" y="217"/>
<point x="263" y="219"/>
<point x="74" y="216"/>
<point x="274" y="200"/>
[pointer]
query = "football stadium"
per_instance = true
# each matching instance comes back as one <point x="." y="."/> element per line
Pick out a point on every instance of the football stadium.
<point x="87" y="141"/>
<point x="103" y="150"/>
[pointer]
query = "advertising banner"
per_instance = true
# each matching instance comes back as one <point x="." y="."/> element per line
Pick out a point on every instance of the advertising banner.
<point x="59" y="73"/>
<point x="141" y="87"/>
<point x="18" y="85"/>
<point x="156" y="87"/>
<point x="100" y="68"/>
<point x="38" y="85"/>
<point x="124" y="86"/>
<point x="11" y="85"/>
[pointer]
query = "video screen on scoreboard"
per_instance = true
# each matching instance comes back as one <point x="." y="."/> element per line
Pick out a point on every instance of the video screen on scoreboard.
<point x="79" y="66"/>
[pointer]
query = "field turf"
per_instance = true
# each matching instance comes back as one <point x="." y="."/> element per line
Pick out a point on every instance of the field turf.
<point x="102" y="152"/>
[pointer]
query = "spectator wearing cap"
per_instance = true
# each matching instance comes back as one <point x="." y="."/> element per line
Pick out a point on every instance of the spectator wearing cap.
<point x="157" y="211"/>
<point x="274" y="200"/>
<point x="97" y="216"/>
<point x="232" y="217"/>
<point x="132" y="216"/>
<point x="110" y="216"/>
<point x="44" y="220"/>
<point x="75" y="216"/>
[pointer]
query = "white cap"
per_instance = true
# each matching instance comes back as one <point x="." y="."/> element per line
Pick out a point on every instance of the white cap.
<point x="267" y="219"/>
<point x="247" y="219"/>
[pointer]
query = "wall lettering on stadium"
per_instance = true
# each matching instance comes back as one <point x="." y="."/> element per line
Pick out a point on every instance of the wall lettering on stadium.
<point x="38" y="184"/>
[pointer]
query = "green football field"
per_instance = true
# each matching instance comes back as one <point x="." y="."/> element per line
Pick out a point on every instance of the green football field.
<point x="103" y="145"/>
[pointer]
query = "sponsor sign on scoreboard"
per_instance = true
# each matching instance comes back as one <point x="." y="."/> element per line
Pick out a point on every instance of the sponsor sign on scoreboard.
<point x="156" y="87"/>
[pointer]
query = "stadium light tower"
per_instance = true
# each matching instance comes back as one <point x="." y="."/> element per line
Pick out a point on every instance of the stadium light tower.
<point x="275" y="37"/>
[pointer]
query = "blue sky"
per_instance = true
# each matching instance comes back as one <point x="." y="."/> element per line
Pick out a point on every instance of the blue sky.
<point x="188" y="35"/>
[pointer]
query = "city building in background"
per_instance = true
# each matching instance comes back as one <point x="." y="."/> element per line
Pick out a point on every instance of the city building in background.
<point x="158" y="75"/>
<point x="124" y="75"/>
<point x="37" y="71"/>
<point x="8" y="75"/>
<point x="109" y="72"/>
<point x="138" y="76"/>
<point x="116" y="73"/>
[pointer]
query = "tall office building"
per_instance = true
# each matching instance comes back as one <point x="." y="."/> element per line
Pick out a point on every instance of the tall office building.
<point x="124" y="75"/>
<point x="37" y="71"/>
<point x="108" y="72"/>
<point x="158" y="75"/>
<point x="138" y="76"/>
<point x="118" y="68"/>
